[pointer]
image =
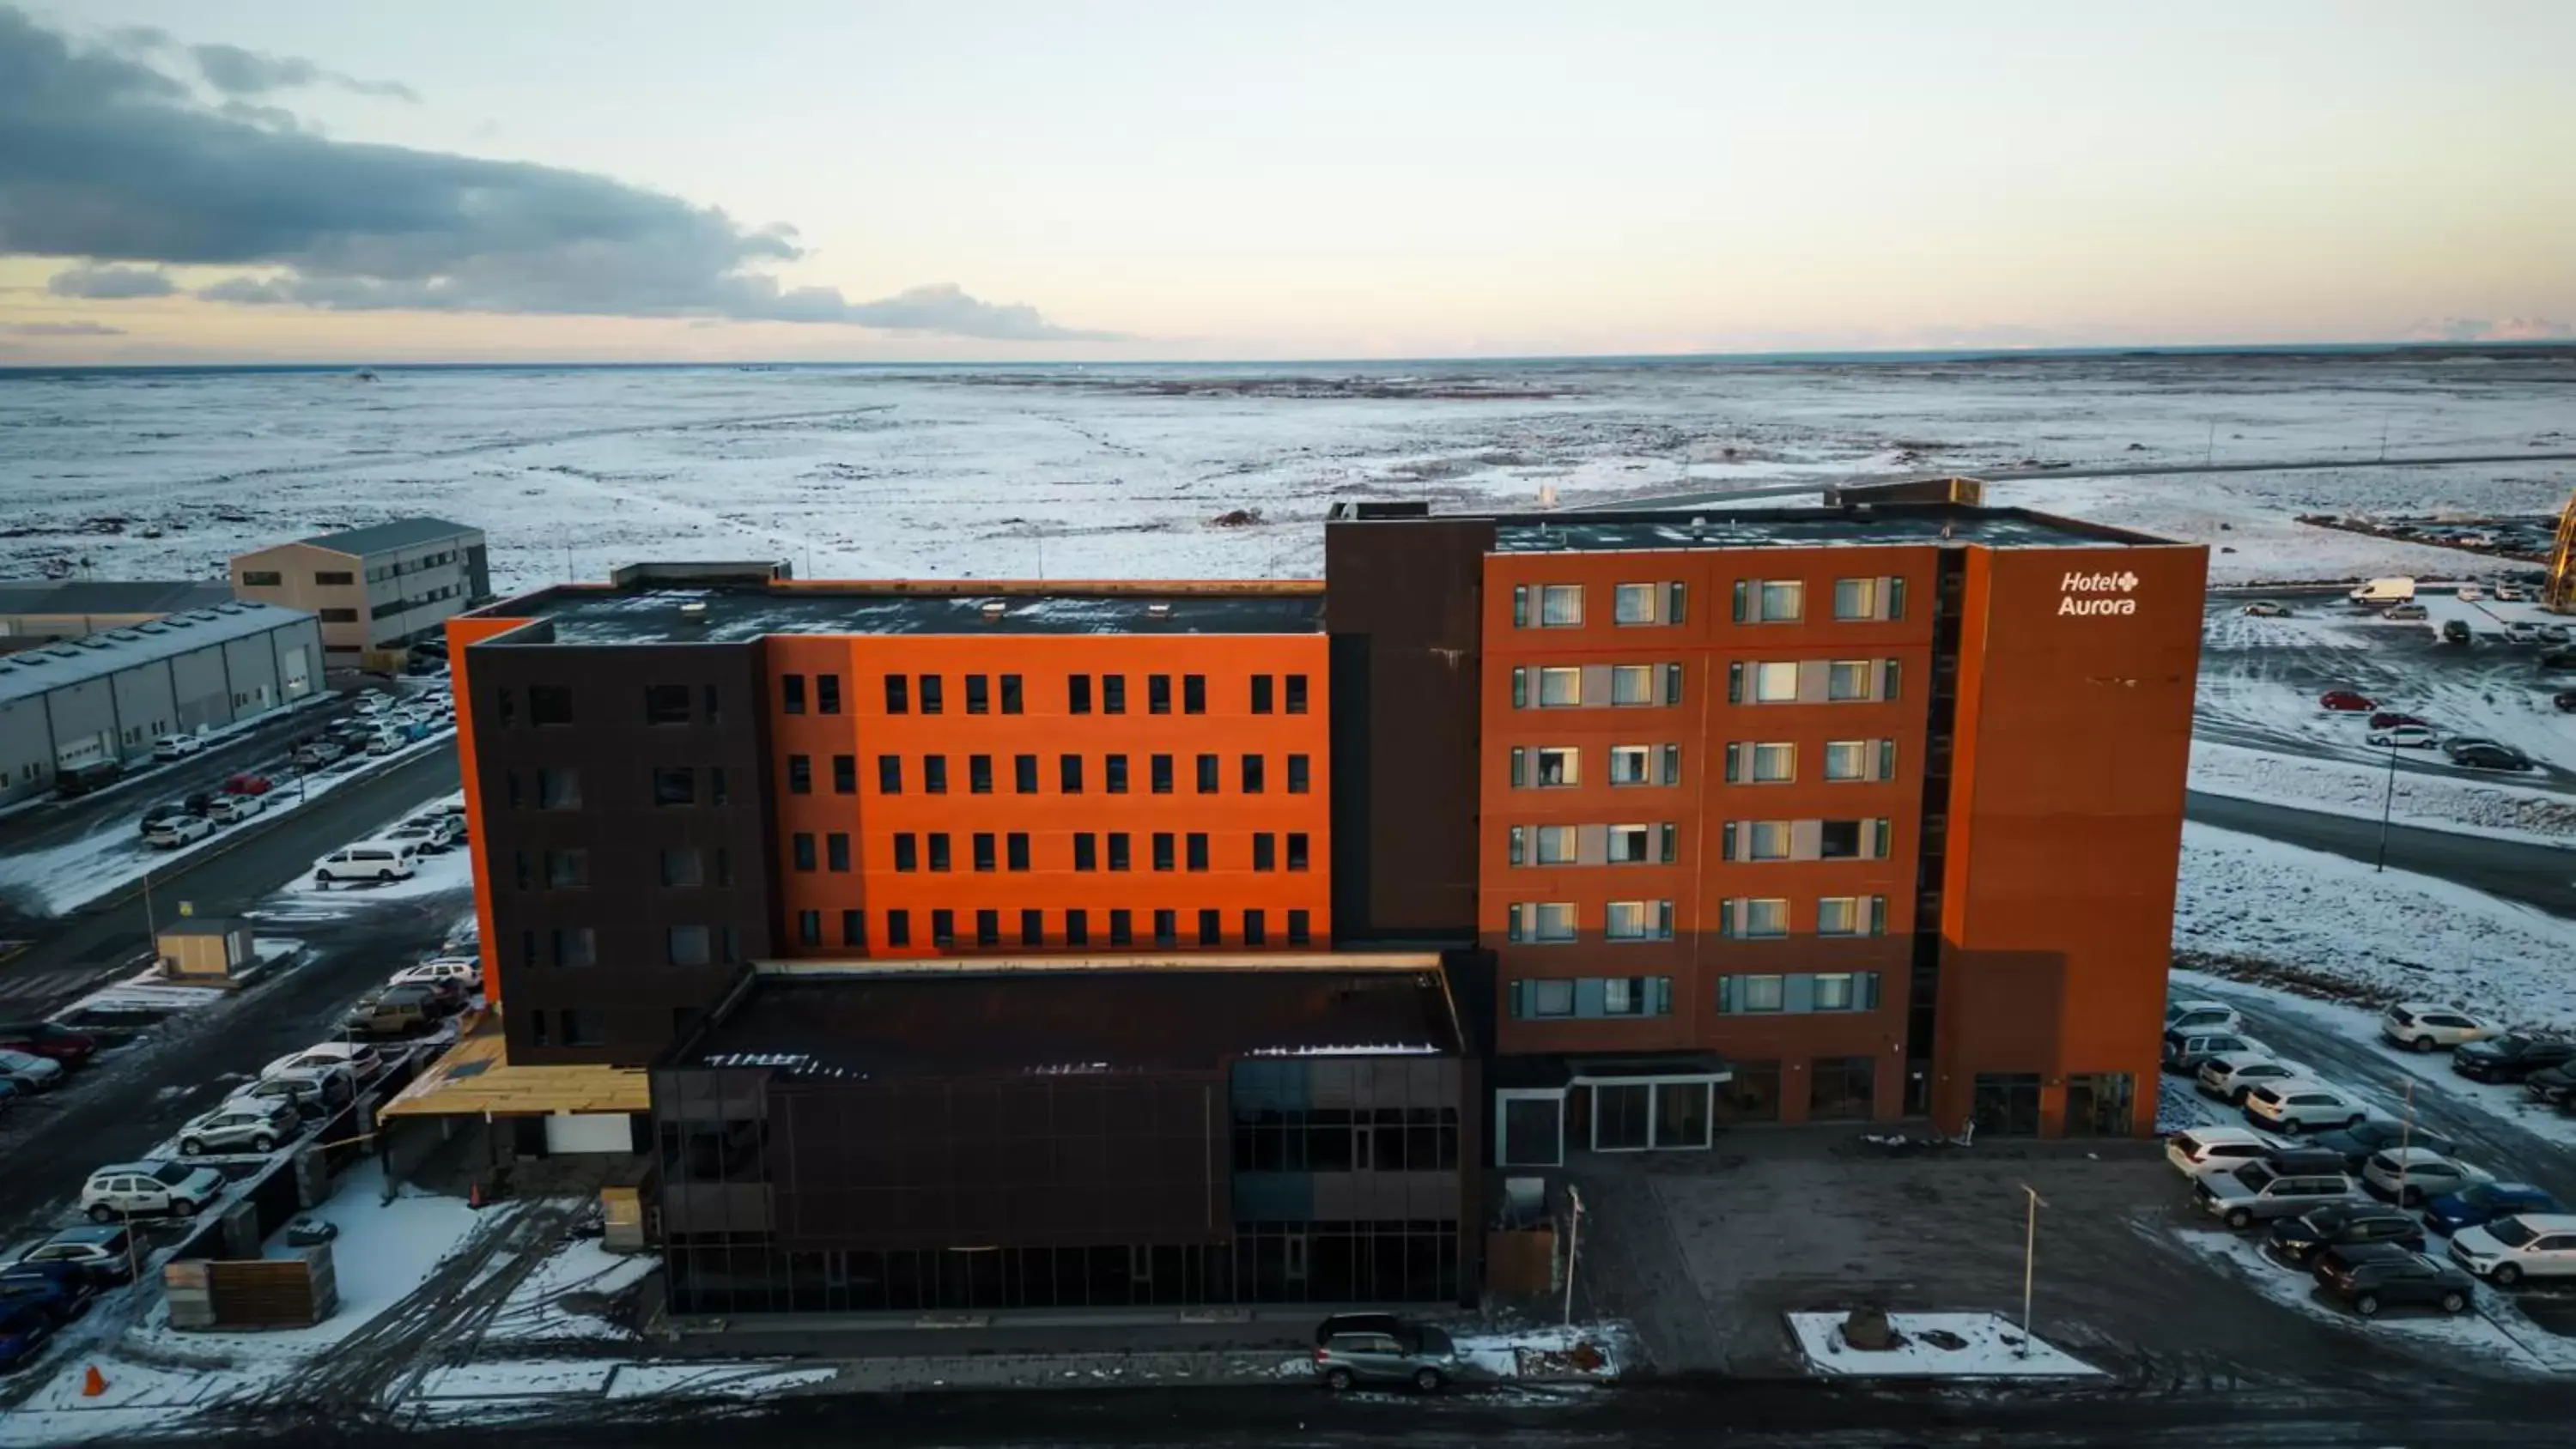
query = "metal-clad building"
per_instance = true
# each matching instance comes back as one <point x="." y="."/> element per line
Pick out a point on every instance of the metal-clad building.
<point x="377" y="589"/>
<point x="42" y="611"/>
<point x="111" y="695"/>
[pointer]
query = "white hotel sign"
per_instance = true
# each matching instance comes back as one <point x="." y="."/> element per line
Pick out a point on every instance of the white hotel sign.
<point x="2082" y="593"/>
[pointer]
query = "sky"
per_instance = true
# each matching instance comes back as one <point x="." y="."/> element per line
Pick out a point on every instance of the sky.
<point x="183" y="181"/>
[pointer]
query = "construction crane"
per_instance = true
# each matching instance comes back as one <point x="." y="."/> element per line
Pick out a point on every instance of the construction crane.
<point x="2560" y="594"/>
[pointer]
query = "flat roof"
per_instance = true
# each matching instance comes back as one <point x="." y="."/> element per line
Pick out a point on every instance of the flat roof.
<point x="714" y="614"/>
<point x="31" y="672"/>
<point x="384" y="537"/>
<point x="476" y="1077"/>
<point x="112" y="596"/>
<point x="1864" y="526"/>
<point x="1099" y="1022"/>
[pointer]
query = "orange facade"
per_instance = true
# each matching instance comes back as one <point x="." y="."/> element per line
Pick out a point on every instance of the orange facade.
<point x="895" y="820"/>
<point x="463" y="630"/>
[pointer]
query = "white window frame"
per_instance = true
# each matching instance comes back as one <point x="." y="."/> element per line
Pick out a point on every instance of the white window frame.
<point x="1865" y="670"/>
<point x="1859" y="755"/>
<point x="1761" y="749"/>
<point x="1644" y="755"/>
<point x="1624" y="676"/>
<point x="1752" y="904"/>
<point x="1868" y="592"/>
<point x="1793" y="597"/>
<point x="1550" y="596"/>
<point x="1551" y="675"/>
<point x="1775" y="682"/>
<point x="1624" y="601"/>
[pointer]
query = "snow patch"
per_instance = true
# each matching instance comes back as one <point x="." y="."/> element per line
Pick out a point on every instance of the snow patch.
<point x="1935" y="1345"/>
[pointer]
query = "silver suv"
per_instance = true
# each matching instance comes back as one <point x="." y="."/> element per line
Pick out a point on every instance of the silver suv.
<point x="1381" y="1348"/>
<point x="240" y="1125"/>
<point x="2259" y="1192"/>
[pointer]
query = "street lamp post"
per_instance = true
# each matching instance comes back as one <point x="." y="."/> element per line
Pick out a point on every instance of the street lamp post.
<point x="2405" y="1138"/>
<point x="2387" y="806"/>
<point x="2029" y="1261"/>
<point x="1573" y="1241"/>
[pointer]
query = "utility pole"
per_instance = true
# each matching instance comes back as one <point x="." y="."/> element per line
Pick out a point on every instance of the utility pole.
<point x="1573" y="1239"/>
<point x="2405" y="1138"/>
<point x="2387" y="807"/>
<point x="151" y="923"/>
<point x="2211" y="456"/>
<point x="2029" y="1261"/>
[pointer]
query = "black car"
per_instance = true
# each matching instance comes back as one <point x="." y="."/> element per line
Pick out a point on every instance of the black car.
<point x="2480" y="755"/>
<point x="2455" y="631"/>
<point x="80" y="780"/>
<point x="2510" y="1058"/>
<point x="2299" y="1240"/>
<point x="2559" y="659"/>
<point x="2376" y="1276"/>
<point x="2565" y="699"/>
<point x="2552" y="1084"/>
<point x="2358" y="1144"/>
<point x="159" y="813"/>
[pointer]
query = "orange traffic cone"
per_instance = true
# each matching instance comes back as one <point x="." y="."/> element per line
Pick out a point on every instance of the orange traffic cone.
<point x="474" y="1196"/>
<point x="93" y="1383"/>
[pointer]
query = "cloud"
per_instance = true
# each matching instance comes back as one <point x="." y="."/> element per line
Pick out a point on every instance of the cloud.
<point x="2480" y="329"/>
<point x="59" y="329"/>
<point x="108" y="284"/>
<point x="104" y="157"/>
<point x="238" y="72"/>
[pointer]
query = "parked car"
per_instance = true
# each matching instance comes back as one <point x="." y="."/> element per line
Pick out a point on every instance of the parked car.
<point x="172" y="831"/>
<point x="176" y="747"/>
<point x="371" y="704"/>
<point x="2558" y="659"/>
<point x="2356" y="1144"/>
<point x="307" y="1094"/>
<point x="1358" y="1348"/>
<point x="240" y="1126"/>
<point x="2297" y="1241"/>
<point x="2404" y="737"/>
<point x="2484" y="1202"/>
<point x="2230" y="1077"/>
<point x="2510" y="594"/>
<point x="199" y="802"/>
<point x="2454" y="631"/>
<point x="249" y="784"/>
<point x="2506" y="1250"/>
<point x="395" y="1011"/>
<point x="24" y="1328"/>
<point x="149" y="1190"/>
<point x="2565" y="700"/>
<point x="2186" y="1050"/>
<point x="45" y="1039"/>
<point x="159" y="813"/>
<point x="316" y="752"/>
<point x="2255" y="1193"/>
<point x="466" y="972"/>
<point x="431" y="833"/>
<point x="2511" y="1057"/>
<point x="2423" y="1172"/>
<point x="69" y="1287"/>
<point x="2424" y="1025"/>
<point x="2345" y="701"/>
<point x="29" y="1072"/>
<point x="2302" y="1106"/>
<point x="2552" y="1084"/>
<point x="2521" y="631"/>
<point x="376" y="860"/>
<point x="104" y="1252"/>
<point x="2556" y="634"/>
<point x="2266" y="609"/>
<point x="79" y="780"/>
<point x="2482" y="756"/>
<point x="2201" y="1016"/>
<point x="358" y="1059"/>
<point x="385" y="742"/>
<point x="2374" y="1277"/>
<point x="2471" y="593"/>
<point x="2407" y="613"/>
<point x="228" y="809"/>
<point x="2389" y="719"/>
<point x="2196" y="1150"/>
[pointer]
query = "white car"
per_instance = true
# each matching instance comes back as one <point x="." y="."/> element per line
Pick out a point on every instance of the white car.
<point x="464" y="971"/>
<point x="225" y="809"/>
<point x="2230" y="1076"/>
<point x="377" y="860"/>
<point x="2510" y="594"/>
<point x="29" y="1072"/>
<point x="176" y="747"/>
<point x="2521" y="631"/>
<point x="239" y="1125"/>
<point x="2471" y="593"/>
<point x="2201" y="1016"/>
<point x="311" y="1091"/>
<point x="431" y="833"/>
<point x="2405" y="737"/>
<point x="2426" y="1173"/>
<point x="2426" y="1025"/>
<point x="2203" y="1149"/>
<point x="373" y="704"/>
<point x="2526" y="1245"/>
<point x="149" y="1190"/>
<point x="2265" y="609"/>
<point x="172" y="831"/>
<point x="356" y="1058"/>
<point x="316" y="752"/>
<point x="385" y="742"/>
<point x="2300" y="1106"/>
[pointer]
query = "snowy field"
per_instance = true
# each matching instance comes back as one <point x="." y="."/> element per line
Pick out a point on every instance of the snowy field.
<point x="1117" y="472"/>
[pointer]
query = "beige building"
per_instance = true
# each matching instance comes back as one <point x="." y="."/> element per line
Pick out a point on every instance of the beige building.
<point x="377" y="590"/>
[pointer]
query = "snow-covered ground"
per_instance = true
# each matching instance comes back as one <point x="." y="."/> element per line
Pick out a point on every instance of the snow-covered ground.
<point x="2493" y="1327"/>
<point x="2376" y="936"/>
<point x="1935" y="1345"/>
<point x="2440" y="802"/>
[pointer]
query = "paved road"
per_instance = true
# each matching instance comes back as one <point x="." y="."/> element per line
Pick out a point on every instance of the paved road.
<point x="2538" y="875"/>
<point x="2133" y="470"/>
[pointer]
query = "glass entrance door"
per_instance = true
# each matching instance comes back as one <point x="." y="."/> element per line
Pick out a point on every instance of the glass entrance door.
<point x="1532" y="1132"/>
<point x="1681" y="1114"/>
<point x="1622" y="1117"/>
<point x="2006" y="1104"/>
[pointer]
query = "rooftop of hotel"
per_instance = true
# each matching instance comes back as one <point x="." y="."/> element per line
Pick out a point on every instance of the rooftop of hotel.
<point x="1074" y="1022"/>
<point x="665" y="611"/>
<point x="1852" y="523"/>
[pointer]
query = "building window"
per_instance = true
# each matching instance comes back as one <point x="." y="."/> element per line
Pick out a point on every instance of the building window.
<point x="988" y="928"/>
<point x="1846" y="759"/>
<point x="932" y="698"/>
<point x="1017" y="843"/>
<point x="979" y="774"/>
<point x="1851" y="916"/>
<point x="1629" y="765"/>
<point x="558" y="789"/>
<point x="1759" y="993"/>
<point x="791" y="695"/>
<point x="683" y="865"/>
<point x="549" y="704"/>
<point x="1638" y="920"/>
<point x="673" y="785"/>
<point x="1559" y="766"/>
<point x="854" y="929"/>
<point x="1296" y="692"/>
<point x="1068" y="773"/>
<point x="1211" y="928"/>
<point x="898" y="928"/>
<point x="889" y="774"/>
<point x="1560" y="687"/>
<point x="1208" y="774"/>
<point x="836" y="851"/>
<point x="1024" y="774"/>
<point x="1557" y="844"/>
<point x="1167" y="929"/>
<point x="334" y="578"/>
<point x="804" y="849"/>
<point x="1855" y="599"/>
<point x="984" y="853"/>
<point x="1197" y="844"/>
<point x="1032" y="928"/>
<point x="1775" y="764"/>
<point x="1113" y="774"/>
<point x="1122" y="928"/>
<point x="1766" y="839"/>
<point x="845" y="774"/>
<point x="1256" y="931"/>
<point x="1193" y="694"/>
<point x="1775" y="683"/>
<point x="1548" y="922"/>
<point x="1840" y="1087"/>
<point x="1632" y="844"/>
<point x="1077" y="928"/>
<point x="1300" y="930"/>
<point x="1551" y="998"/>
<point x="943" y="930"/>
<point x="1086" y="850"/>
<point x="827" y="696"/>
<point x="1265" y="850"/>
<point x="1077" y="694"/>
<point x="1164" y="854"/>
<point x="666" y="704"/>
<point x="934" y="774"/>
<point x="1010" y="694"/>
<point x="1833" y="991"/>
<point x="567" y="870"/>
<point x="1252" y="774"/>
<point x="1780" y="602"/>
<point x="1118" y="856"/>
<point x="1632" y="684"/>
<point x="1113" y="694"/>
<point x="581" y="1028"/>
<point x="1296" y="850"/>
<point x="979" y="695"/>
<point x="576" y="946"/>
<point x="1261" y="693"/>
<point x="907" y="851"/>
<point x="800" y="774"/>
<point x="1560" y="606"/>
<point x="688" y="945"/>
<point x="1162" y="774"/>
<point x="1847" y="679"/>
<point x="262" y="579"/>
<point x="938" y="849"/>
<point x="338" y="616"/>
<point x="1300" y="779"/>
<point x="1623" y="996"/>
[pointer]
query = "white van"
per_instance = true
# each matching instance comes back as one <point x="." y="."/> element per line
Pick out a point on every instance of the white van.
<point x="368" y="860"/>
<point x="2384" y="591"/>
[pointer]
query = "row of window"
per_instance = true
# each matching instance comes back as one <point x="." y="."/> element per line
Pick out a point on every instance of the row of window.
<point x="1346" y="1139"/>
<point x="928" y="693"/>
<point x="1798" y="993"/>
<point x="1760" y="762"/>
<point x="1555" y="923"/>
<point x="1635" y="686"/>
<point x="1757" y="601"/>
<point x="1593" y="844"/>
<point x="1656" y="844"/>
<point x="577" y="946"/>
<point x="1010" y="851"/>
<point x="1805" y="840"/>
<point x="1589" y="997"/>
<point x="1039" y="929"/>
<point x="1252" y="774"/>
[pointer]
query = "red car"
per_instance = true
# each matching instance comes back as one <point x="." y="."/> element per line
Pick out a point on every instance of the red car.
<point x="2344" y="701"/>
<point x="248" y="785"/>
<point x="2389" y="719"/>
<point x="44" y="1039"/>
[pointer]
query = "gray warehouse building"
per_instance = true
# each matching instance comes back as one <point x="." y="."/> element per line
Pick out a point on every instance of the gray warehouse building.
<point x="111" y="695"/>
